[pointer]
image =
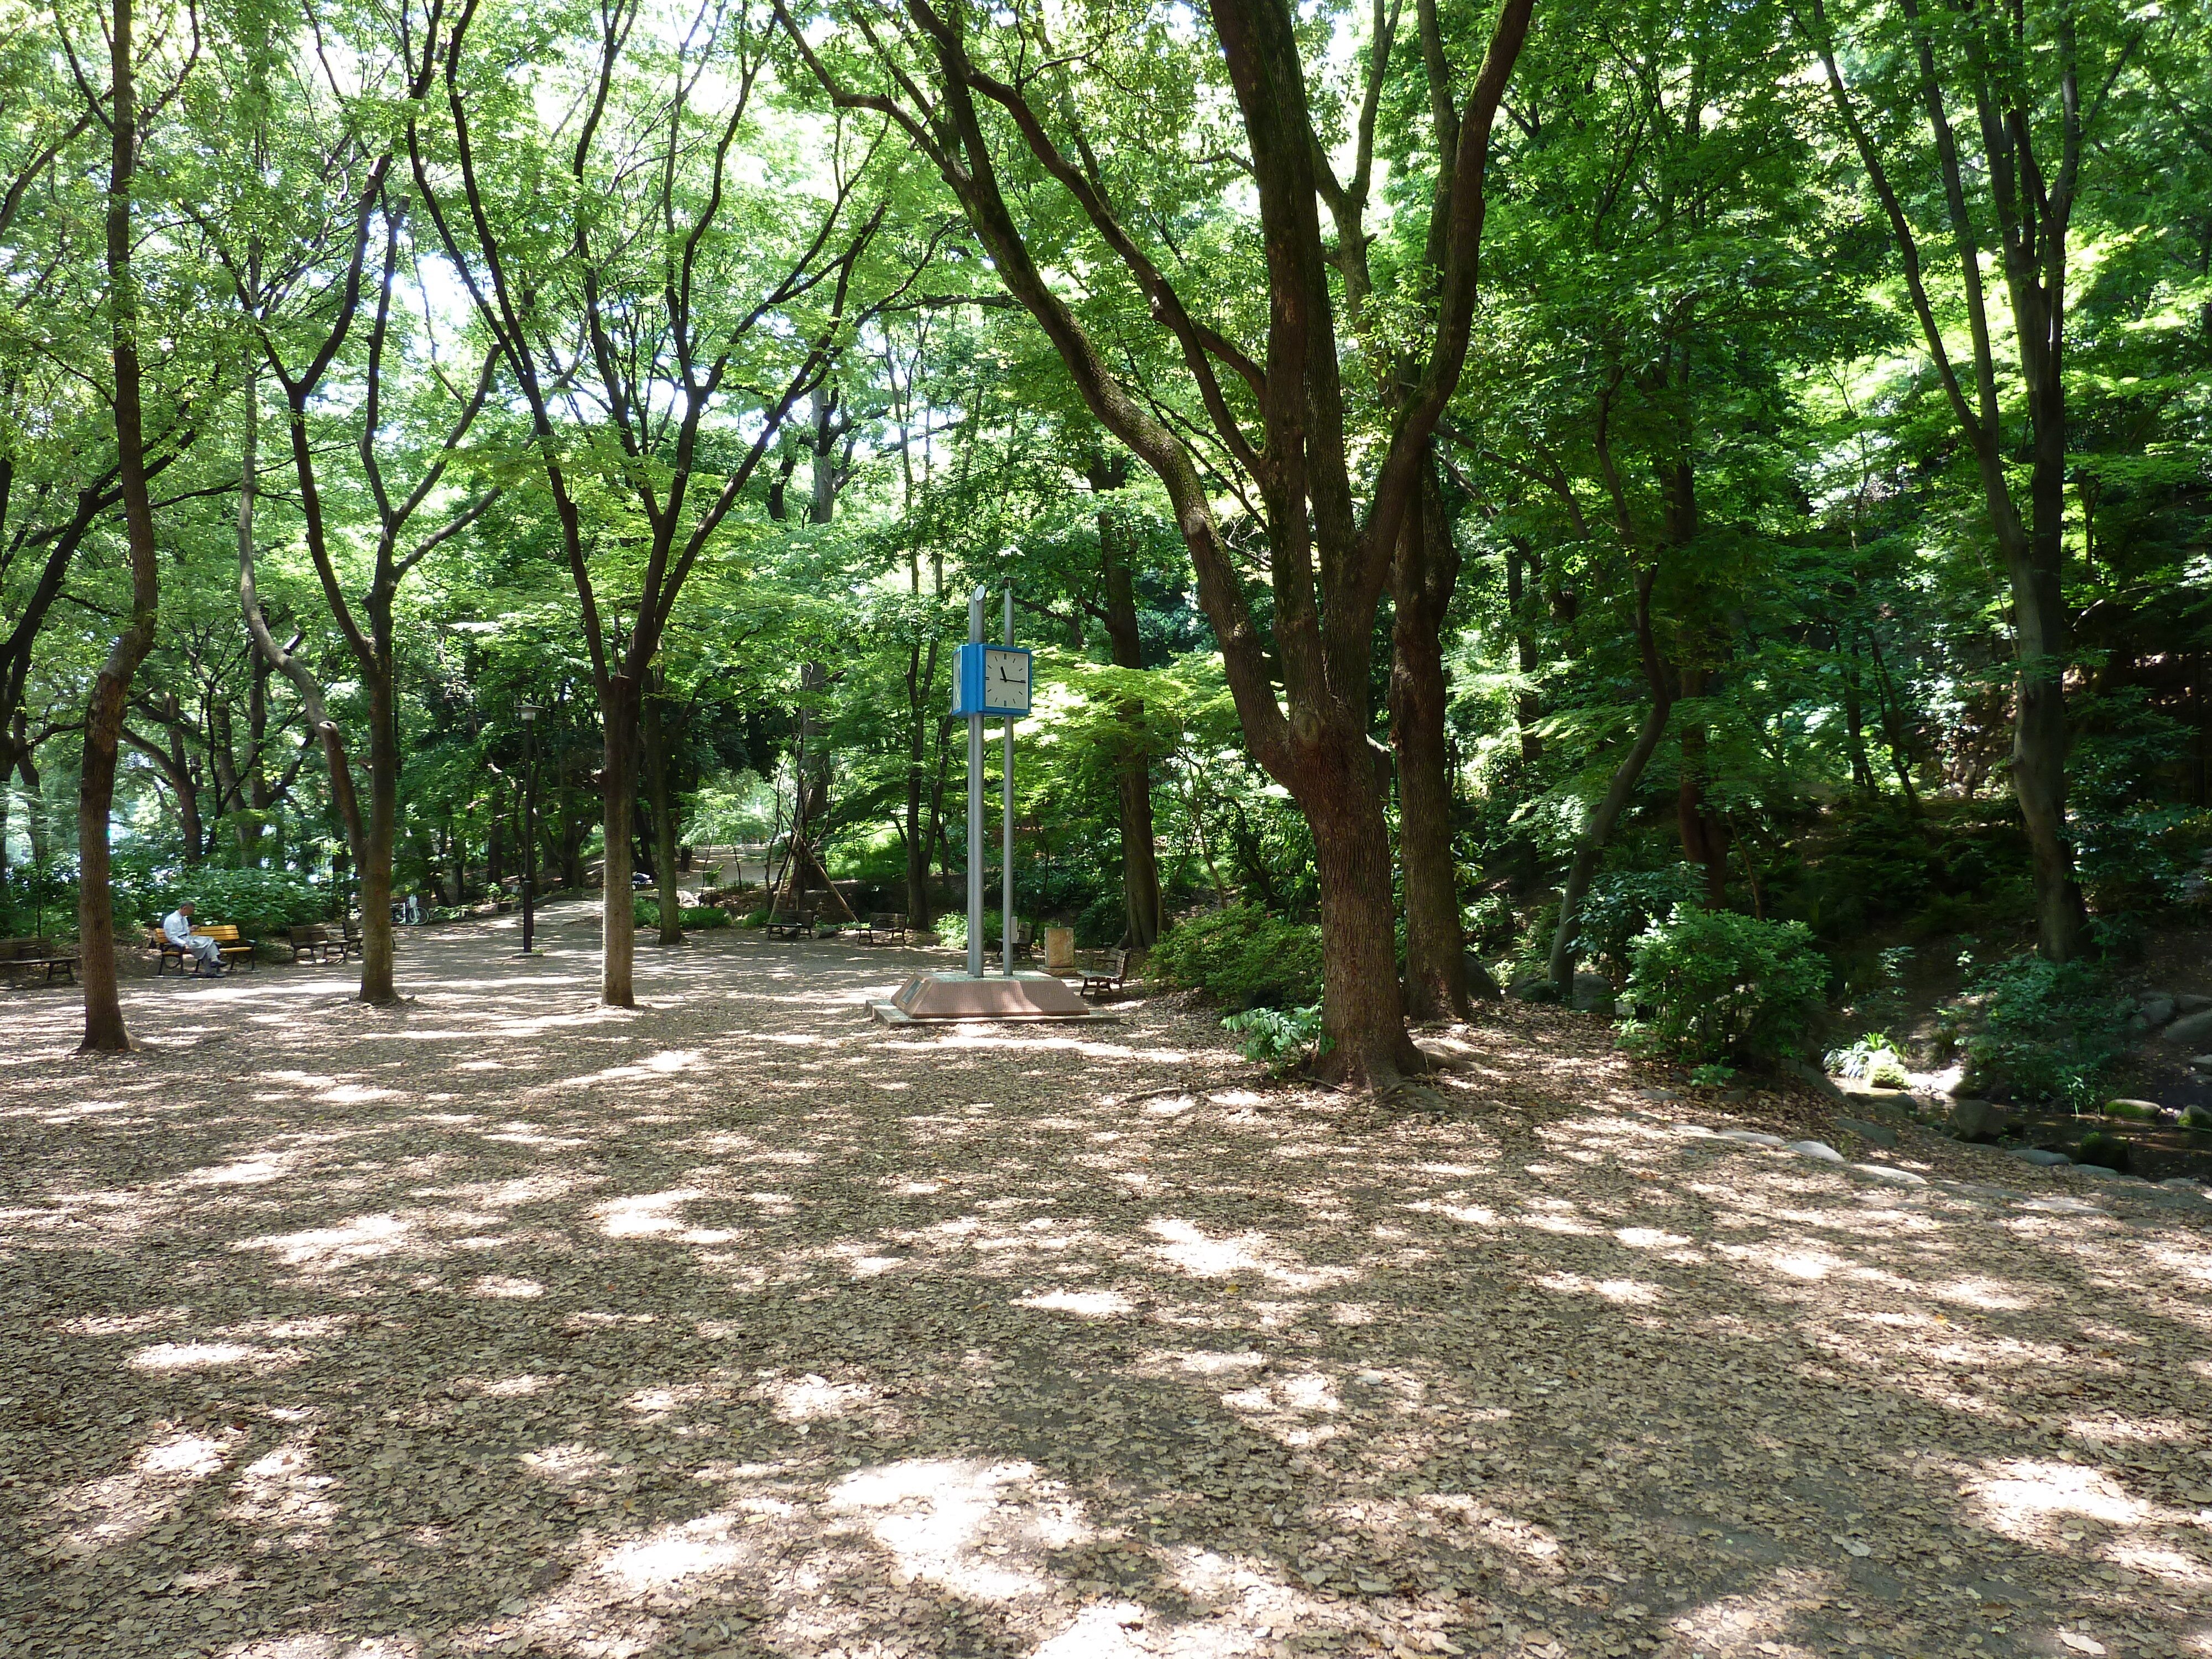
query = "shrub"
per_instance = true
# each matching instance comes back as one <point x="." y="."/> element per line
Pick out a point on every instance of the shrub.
<point x="1722" y="986"/>
<point x="1621" y="906"/>
<point x="704" y="916"/>
<point x="259" y="904"/>
<point x="2106" y="1151"/>
<point x="2037" y="1029"/>
<point x="1281" y="1039"/>
<point x="1237" y="954"/>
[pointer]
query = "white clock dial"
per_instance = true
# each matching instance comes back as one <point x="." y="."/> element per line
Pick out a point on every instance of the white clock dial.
<point x="1006" y="677"/>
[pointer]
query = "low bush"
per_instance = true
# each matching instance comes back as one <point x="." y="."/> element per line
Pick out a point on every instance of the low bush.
<point x="1621" y="906"/>
<point x="1240" y="954"/>
<point x="259" y="904"/>
<point x="1723" y="987"/>
<point x="705" y="916"/>
<point x="2037" y="1031"/>
<point x="1281" y="1039"/>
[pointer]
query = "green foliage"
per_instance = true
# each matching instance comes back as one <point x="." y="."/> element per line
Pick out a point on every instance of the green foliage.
<point x="1281" y="1039"/>
<point x="705" y="916"/>
<point x="260" y="904"/>
<point x="1722" y="986"/>
<point x="1239" y="953"/>
<point x="2037" y="1031"/>
<point x="1621" y="905"/>
<point x="2108" y="1151"/>
<point x="1875" y="1058"/>
<point x="1713" y="1075"/>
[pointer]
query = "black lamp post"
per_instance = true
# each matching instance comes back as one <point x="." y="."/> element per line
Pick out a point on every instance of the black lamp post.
<point x="529" y="712"/>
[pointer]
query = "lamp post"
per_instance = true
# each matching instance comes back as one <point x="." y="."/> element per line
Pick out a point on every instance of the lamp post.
<point x="529" y="712"/>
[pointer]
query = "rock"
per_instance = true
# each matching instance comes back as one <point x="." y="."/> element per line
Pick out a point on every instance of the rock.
<point x="2155" y="1008"/>
<point x="2187" y="1002"/>
<point x="2041" y="1155"/>
<point x="2183" y="1184"/>
<point x="1812" y="1077"/>
<point x="2190" y="1030"/>
<point x="1750" y="1137"/>
<point x="1974" y="1120"/>
<point x="1534" y="989"/>
<point x="1816" y="1149"/>
<point x="2140" y="1111"/>
<point x="1593" y="993"/>
<point x="1658" y="1094"/>
<point x="2099" y="1170"/>
<point x="1481" y="985"/>
<point x="1874" y="1133"/>
<point x="1894" y="1177"/>
<point x="2063" y="1204"/>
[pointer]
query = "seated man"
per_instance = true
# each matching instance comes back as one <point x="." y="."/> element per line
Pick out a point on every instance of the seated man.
<point x="177" y="928"/>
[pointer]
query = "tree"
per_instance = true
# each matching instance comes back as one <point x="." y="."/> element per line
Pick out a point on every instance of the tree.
<point x="1329" y="562"/>
<point x="2022" y="71"/>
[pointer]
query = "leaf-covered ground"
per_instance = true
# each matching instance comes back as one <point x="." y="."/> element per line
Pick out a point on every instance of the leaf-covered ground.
<point x="503" y="1323"/>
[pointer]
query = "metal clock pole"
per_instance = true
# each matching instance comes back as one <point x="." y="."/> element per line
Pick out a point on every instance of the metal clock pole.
<point x="975" y="802"/>
<point x="1006" y="873"/>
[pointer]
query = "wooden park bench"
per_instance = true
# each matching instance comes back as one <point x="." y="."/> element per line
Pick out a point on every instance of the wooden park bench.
<point x="349" y="941"/>
<point x="314" y="943"/>
<point x="235" y="949"/>
<point x="798" y="927"/>
<point x="885" y="927"/>
<point x="19" y="957"/>
<point x="1108" y="977"/>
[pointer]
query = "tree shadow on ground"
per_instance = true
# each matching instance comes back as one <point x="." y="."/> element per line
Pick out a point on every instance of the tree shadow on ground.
<point x="501" y="1322"/>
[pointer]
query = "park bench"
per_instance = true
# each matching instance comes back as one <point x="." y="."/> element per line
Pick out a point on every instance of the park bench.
<point x="18" y="956"/>
<point x="798" y="927"/>
<point x="1108" y="976"/>
<point x="350" y="940"/>
<point x="235" y="949"/>
<point x="885" y="927"/>
<point x="314" y="944"/>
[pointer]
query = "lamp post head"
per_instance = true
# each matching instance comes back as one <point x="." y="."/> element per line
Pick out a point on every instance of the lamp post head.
<point x="528" y="711"/>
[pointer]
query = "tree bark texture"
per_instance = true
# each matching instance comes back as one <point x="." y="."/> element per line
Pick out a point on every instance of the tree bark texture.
<point x="1422" y="578"/>
<point x="103" y="1030"/>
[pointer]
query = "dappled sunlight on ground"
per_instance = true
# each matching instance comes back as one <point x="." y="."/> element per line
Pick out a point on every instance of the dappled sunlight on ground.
<point x="501" y="1322"/>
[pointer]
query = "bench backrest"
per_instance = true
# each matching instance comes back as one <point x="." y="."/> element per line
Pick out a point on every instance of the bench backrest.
<point x="316" y="934"/>
<point x="1117" y="962"/>
<point x="222" y="932"/>
<point x="888" y="919"/>
<point x="25" y="949"/>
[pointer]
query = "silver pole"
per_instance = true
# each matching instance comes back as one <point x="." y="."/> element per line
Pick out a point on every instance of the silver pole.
<point x="1006" y="829"/>
<point x="975" y="805"/>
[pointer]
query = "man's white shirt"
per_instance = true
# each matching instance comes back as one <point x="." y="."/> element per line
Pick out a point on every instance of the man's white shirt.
<point x="177" y="926"/>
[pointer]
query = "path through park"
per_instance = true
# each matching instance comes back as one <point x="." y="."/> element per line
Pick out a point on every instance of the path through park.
<point x="502" y="1324"/>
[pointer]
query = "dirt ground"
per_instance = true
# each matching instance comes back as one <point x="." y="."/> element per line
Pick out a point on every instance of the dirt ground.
<point x="503" y="1323"/>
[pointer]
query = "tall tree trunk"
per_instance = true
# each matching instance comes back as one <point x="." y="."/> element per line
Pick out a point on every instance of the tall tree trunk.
<point x="618" y="702"/>
<point x="376" y="839"/>
<point x="1422" y="578"/>
<point x="654" y="741"/>
<point x="104" y="1032"/>
<point x="1363" y="1009"/>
